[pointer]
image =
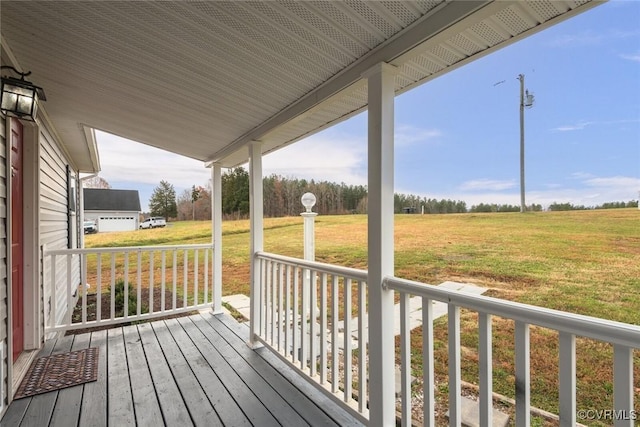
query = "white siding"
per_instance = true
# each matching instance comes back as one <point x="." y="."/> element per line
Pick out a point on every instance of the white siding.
<point x="54" y="224"/>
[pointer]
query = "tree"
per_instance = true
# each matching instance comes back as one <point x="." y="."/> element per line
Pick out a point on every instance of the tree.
<point x="96" y="182"/>
<point x="235" y="192"/>
<point x="163" y="201"/>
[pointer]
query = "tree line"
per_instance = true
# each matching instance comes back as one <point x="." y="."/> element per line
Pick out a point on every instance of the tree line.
<point x="282" y="198"/>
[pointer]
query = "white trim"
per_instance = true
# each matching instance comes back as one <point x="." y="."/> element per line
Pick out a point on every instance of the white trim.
<point x="216" y="235"/>
<point x="380" y="244"/>
<point x="257" y="235"/>
<point x="31" y="237"/>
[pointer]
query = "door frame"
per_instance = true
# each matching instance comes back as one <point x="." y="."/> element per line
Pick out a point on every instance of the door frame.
<point x="32" y="326"/>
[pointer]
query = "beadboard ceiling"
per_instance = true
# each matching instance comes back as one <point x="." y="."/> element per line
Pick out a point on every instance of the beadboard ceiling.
<point x="205" y="78"/>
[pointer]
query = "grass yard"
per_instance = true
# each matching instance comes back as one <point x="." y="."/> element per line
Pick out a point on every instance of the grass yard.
<point x="585" y="262"/>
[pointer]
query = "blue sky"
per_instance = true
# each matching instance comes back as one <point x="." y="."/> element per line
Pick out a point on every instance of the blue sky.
<point x="457" y="137"/>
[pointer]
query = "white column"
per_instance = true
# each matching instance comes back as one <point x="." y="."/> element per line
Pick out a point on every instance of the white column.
<point x="381" y="250"/>
<point x="216" y="235"/>
<point x="257" y="235"/>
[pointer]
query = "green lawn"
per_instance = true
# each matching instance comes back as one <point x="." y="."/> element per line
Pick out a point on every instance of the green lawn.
<point x="585" y="262"/>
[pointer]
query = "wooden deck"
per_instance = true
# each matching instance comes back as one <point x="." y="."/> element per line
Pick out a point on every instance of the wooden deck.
<point x="194" y="370"/>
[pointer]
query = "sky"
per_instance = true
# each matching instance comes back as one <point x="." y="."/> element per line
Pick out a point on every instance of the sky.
<point x="458" y="136"/>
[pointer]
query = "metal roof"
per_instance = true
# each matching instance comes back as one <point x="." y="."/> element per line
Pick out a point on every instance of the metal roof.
<point x="204" y="78"/>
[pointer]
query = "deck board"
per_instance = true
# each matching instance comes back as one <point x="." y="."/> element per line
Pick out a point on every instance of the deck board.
<point x="93" y="411"/>
<point x="67" y="408"/>
<point x="174" y="410"/>
<point x="142" y="387"/>
<point x="195" y="370"/>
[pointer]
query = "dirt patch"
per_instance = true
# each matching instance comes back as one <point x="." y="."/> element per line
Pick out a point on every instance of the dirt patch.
<point x="105" y="309"/>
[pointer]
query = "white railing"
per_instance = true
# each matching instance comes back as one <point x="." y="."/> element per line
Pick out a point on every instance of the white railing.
<point x="308" y="317"/>
<point x="155" y="281"/>
<point x="624" y="338"/>
<point x="313" y="316"/>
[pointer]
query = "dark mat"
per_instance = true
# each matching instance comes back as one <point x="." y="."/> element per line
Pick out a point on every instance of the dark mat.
<point x="59" y="371"/>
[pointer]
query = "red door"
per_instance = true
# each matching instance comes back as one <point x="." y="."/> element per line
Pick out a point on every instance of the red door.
<point x="17" y="302"/>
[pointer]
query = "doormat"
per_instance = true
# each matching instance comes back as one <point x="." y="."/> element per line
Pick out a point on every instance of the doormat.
<point x="59" y="371"/>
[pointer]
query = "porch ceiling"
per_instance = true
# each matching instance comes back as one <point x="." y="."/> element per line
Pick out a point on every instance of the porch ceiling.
<point x="202" y="79"/>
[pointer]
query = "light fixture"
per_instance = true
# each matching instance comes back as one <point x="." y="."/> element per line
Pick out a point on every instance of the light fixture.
<point x="308" y="200"/>
<point x="19" y="97"/>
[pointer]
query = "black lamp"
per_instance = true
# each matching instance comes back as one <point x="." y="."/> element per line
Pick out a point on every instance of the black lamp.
<point x="19" y="97"/>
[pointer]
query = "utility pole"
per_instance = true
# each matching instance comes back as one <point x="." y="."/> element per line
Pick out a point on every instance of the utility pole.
<point x="526" y="100"/>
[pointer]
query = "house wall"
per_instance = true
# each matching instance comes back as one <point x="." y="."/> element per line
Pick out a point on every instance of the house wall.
<point x="3" y="265"/>
<point x="56" y="226"/>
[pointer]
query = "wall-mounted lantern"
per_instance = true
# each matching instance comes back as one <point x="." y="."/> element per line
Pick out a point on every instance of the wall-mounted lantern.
<point x="19" y="97"/>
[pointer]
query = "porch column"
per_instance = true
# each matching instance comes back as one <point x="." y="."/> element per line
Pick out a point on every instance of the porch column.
<point x="257" y="238"/>
<point x="381" y="251"/>
<point x="216" y="235"/>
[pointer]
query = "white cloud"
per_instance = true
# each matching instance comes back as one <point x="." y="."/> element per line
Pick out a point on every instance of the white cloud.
<point x="583" y="124"/>
<point x="631" y="57"/>
<point x="323" y="157"/>
<point x="123" y="160"/>
<point x="406" y="135"/>
<point x="568" y="128"/>
<point x="487" y="185"/>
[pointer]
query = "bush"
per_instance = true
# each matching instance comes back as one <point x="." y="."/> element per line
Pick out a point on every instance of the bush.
<point x="132" y="306"/>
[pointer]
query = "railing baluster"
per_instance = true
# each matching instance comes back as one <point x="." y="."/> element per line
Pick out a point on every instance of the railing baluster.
<point x="287" y="314"/>
<point x="269" y="313"/>
<point x="567" y="371"/>
<point x="362" y="348"/>
<point x="455" y="398"/>
<point x="485" y="368"/>
<point x="263" y="328"/>
<point x="295" y="352"/>
<point x="174" y="301"/>
<point x="313" y="323"/>
<point x="163" y="280"/>
<point x="54" y="293"/>
<point x="185" y="272"/>
<point x="151" y="281"/>
<point x="623" y="386"/>
<point x="428" y="369"/>
<point x="405" y="360"/>
<point x="83" y="286"/>
<point x="523" y="389"/>
<point x="206" y="277"/>
<point x="281" y="324"/>
<point x="125" y="309"/>
<point x="335" y="319"/>
<point x="69" y="304"/>
<point x="139" y="284"/>
<point x="113" y="286"/>
<point x="196" y="263"/>
<point x="348" y="383"/>
<point x="99" y="287"/>
<point x="304" y="319"/>
<point x="323" y="329"/>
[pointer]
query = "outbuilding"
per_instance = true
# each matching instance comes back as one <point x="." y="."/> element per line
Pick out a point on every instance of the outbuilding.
<point x="112" y="210"/>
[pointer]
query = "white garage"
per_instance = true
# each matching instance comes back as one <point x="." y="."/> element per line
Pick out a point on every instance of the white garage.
<point x="112" y="210"/>
<point x="117" y="223"/>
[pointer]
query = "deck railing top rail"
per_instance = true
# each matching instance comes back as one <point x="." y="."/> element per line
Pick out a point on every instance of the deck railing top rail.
<point x="580" y="325"/>
<point x="353" y="273"/>
<point x="121" y="249"/>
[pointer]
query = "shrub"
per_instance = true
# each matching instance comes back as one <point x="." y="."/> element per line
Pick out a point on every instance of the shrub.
<point x="132" y="306"/>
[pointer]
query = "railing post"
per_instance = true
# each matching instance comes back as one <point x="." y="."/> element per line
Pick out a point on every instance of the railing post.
<point x="216" y="236"/>
<point x="380" y="244"/>
<point x="623" y="386"/>
<point x="257" y="235"/>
